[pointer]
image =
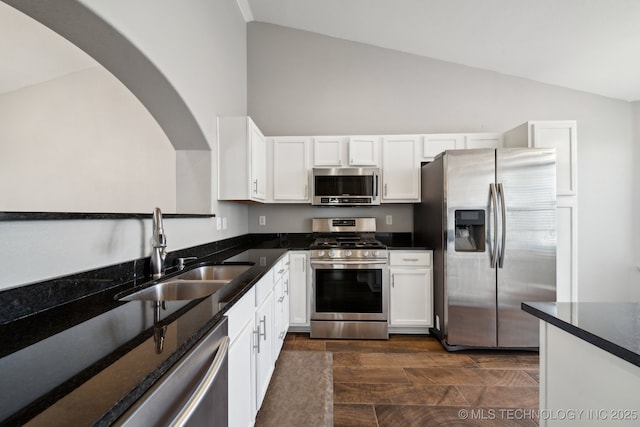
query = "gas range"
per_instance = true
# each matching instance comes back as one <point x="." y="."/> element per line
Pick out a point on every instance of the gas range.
<point x="346" y="239"/>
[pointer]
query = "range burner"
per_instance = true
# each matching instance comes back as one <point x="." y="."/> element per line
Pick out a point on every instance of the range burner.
<point x="358" y="242"/>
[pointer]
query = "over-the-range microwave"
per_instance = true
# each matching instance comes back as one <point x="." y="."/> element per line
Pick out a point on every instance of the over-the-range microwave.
<point x="345" y="186"/>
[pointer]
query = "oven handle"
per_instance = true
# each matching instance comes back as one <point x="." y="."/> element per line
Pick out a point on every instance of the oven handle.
<point x="362" y="262"/>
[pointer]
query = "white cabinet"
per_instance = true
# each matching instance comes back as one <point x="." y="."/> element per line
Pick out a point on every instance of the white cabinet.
<point x="298" y="291"/>
<point x="400" y="169"/>
<point x="561" y="135"/>
<point x="257" y="325"/>
<point x="242" y="160"/>
<point x="345" y="151"/>
<point x="263" y="337"/>
<point x="290" y="169"/>
<point x="411" y="291"/>
<point x="242" y="402"/>
<point x="281" y="300"/>
<point x="482" y="140"/>
<point x="434" y="144"/>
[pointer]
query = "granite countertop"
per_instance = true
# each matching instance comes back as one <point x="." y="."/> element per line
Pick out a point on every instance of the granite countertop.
<point x="91" y="369"/>
<point x="612" y="326"/>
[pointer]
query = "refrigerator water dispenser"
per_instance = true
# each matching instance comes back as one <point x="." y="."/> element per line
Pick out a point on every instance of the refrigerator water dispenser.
<point x="470" y="231"/>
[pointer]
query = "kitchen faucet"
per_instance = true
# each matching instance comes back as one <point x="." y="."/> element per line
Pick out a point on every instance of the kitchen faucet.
<point x="158" y="253"/>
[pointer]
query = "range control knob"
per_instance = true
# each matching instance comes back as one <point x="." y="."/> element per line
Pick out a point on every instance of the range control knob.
<point x="331" y="254"/>
<point x="376" y="253"/>
<point x="365" y="254"/>
<point x="348" y="253"/>
<point x="320" y="253"/>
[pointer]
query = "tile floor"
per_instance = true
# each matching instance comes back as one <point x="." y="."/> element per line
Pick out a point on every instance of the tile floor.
<point x="410" y="380"/>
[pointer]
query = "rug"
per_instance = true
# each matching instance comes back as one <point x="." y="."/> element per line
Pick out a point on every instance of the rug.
<point x="300" y="392"/>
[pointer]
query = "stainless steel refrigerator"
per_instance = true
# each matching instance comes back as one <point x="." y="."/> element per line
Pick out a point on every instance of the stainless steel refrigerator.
<point x="490" y="218"/>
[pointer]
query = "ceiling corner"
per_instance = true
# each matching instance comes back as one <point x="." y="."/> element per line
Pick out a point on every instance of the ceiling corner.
<point x="245" y="9"/>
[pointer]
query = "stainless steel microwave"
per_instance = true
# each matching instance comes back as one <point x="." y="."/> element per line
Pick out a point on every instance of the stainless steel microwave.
<point x="345" y="186"/>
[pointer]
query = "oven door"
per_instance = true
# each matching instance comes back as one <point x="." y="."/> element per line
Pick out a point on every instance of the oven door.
<point x="349" y="290"/>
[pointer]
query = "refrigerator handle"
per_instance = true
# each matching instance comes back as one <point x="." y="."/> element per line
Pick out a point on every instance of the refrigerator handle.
<point x="493" y="255"/>
<point x="504" y="225"/>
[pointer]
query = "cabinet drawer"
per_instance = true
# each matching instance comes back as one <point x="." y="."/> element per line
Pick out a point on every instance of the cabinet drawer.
<point x="241" y="313"/>
<point x="417" y="259"/>
<point x="263" y="287"/>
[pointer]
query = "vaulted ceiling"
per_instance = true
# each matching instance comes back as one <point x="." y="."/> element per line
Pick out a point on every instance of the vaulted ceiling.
<point x="588" y="45"/>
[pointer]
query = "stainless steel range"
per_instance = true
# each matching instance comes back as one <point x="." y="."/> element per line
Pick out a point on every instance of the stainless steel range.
<point x="350" y="289"/>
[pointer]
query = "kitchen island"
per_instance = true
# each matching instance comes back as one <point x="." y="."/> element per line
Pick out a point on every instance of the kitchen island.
<point x="589" y="363"/>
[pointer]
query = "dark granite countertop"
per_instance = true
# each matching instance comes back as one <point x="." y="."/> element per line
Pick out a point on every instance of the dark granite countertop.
<point x="612" y="326"/>
<point x="83" y="365"/>
<point x="72" y="352"/>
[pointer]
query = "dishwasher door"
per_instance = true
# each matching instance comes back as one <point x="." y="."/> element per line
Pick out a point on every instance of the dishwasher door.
<point x="192" y="393"/>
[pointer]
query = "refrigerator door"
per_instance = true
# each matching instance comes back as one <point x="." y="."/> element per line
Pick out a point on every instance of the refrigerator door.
<point x="527" y="243"/>
<point x="469" y="279"/>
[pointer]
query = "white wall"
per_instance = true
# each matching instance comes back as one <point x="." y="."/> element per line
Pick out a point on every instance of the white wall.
<point x="83" y="143"/>
<point x="302" y="83"/>
<point x="202" y="50"/>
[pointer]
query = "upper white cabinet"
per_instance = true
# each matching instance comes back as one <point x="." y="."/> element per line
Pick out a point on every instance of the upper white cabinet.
<point x="559" y="134"/>
<point x="242" y="160"/>
<point x="345" y="151"/>
<point x="290" y="169"/>
<point x="400" y="169"/>
<point x="483" y="140"/>
<point x="434" y="144"/>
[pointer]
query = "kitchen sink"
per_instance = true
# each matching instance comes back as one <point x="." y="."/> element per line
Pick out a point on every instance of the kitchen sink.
<point x="196" y="283"/>
<point x="215" y="272"/>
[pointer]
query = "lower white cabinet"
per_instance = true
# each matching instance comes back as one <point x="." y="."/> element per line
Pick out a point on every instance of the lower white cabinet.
<point x="411" y="291"/>
<point x="263" y="345"/>
<point x="257" y="326"/>
<point x="298" y="291"/>
<point x="242" y="383"/>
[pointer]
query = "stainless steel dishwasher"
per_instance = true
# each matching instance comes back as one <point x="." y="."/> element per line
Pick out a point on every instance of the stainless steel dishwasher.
<point x="194" y="392"/>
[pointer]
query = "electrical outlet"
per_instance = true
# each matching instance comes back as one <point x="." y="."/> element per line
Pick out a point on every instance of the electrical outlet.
<point x="262" y="220"/>
<point x="389" y="219"/>
<point x="218" y="223"/>
<point x="224" y="222"/>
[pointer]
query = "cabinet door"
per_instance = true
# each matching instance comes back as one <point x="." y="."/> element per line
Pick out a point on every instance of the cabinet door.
<point x="560" y="135"/>
<point x="258" y="168"/>
<point x="242" y="406"/>
<point x="298" y="305"/>
<point x="567" y="246"/>
<point x="400" y="171"/>
<point x="327" y="151"/>
<point x="290" y="170"/>
<point x="363" y="150"/>
<point x="263" y="346"/>
<point x="410" y="301"/>
<point x="483" y="140"/>
<point x="435" y="144"/>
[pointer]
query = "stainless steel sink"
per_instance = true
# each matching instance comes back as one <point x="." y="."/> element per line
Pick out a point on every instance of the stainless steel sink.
<point x="177" y="289"/>
<point x="215" y="272"/>
<point x="197" y="283"/>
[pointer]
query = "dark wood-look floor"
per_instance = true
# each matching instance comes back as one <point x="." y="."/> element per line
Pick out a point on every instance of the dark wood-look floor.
<point x="410" y="380"/>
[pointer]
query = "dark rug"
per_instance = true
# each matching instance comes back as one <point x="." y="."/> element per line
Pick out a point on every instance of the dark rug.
<point x="300" y="392"/>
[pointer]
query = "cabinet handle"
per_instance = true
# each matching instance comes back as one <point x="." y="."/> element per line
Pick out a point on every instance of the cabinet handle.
<point x="281" y="271"/>
<point x="264" y="327"/>
<point x="393" y="281"/>
<point x="286" y="287"/>
<point x="281" y="299"/>
<point x="256" y="346"/>
<point x="306" y="191"/>
<point x="385" y="190"/>
<point x="255" y="186"/>
<point x="410" y="259"/>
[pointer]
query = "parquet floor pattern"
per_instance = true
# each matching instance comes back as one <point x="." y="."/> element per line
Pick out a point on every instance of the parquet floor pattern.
<point x="410" y="380"/>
